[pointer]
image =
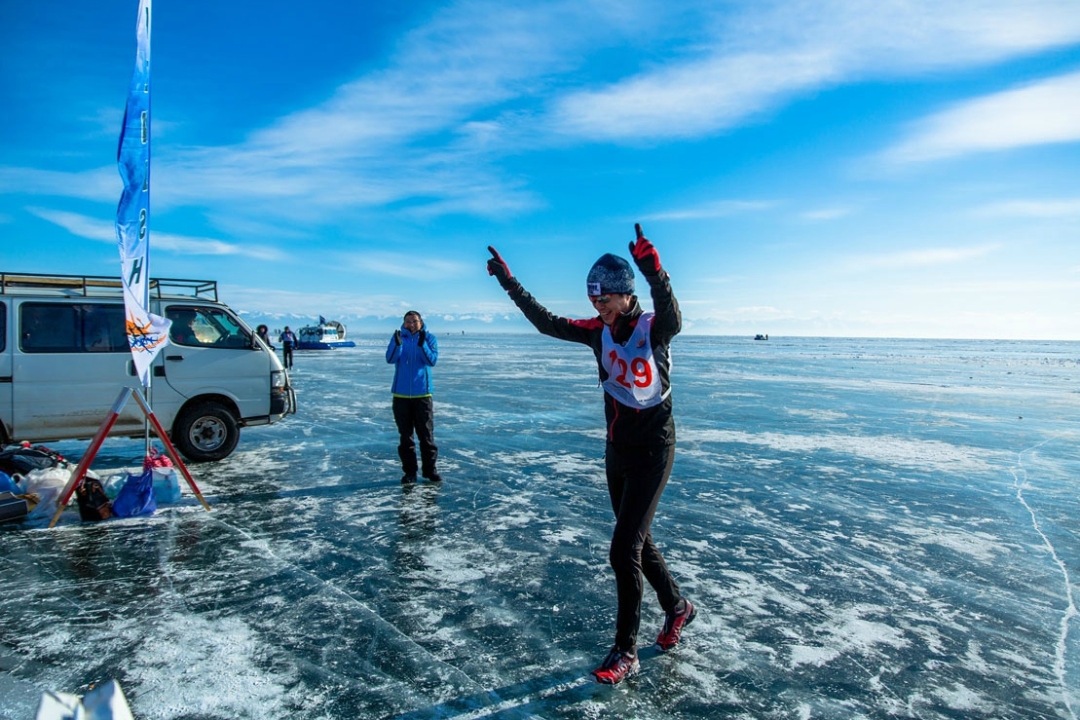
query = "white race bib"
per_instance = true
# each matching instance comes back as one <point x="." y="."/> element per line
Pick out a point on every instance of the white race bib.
<point x="633" y="377"/>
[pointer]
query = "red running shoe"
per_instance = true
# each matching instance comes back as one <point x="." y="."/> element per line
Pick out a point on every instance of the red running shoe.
<point x="617" y="666"/>
<point x="673" y="626"/>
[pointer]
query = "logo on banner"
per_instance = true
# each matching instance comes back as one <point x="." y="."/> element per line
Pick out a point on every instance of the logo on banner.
<point x="144" y="337"/>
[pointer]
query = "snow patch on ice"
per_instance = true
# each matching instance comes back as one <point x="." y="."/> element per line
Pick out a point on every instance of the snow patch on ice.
<point x="884" y="449"/>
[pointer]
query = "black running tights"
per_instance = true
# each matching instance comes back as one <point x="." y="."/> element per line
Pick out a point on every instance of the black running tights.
<point x="636" y="478"/>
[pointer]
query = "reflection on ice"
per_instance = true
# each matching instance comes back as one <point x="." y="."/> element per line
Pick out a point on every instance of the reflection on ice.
<point x="868" y="528"/>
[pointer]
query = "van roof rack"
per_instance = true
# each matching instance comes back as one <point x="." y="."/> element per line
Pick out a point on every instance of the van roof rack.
<point x="103" y="285"/>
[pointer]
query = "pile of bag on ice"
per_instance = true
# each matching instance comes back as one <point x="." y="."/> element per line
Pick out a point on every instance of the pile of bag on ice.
<point x="32" y="479"/>
<point x="133" y="494"/>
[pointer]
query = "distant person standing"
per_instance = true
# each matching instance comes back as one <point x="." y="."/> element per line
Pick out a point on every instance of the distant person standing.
<point x="264" y="334"/>
<point x="413" y="352"/>
<point x="632" y="351"/>
<point x="288" y="341"/>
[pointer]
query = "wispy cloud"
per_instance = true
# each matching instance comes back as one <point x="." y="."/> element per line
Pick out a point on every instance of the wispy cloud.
<point x="753" y="57"/>
<point x="1041" y="113"/>
<point x="825" y="214"/>
<point x="420" y="131"/>
<point x="1061" y="208"/>
<point x="482" y="80"/>
<point x="105" y="231"/>
<point x="691" y="99"/>
<point x="405" y="265"/>
<point x="100" y="184"/>
<point x="428" y="132"/>
<point x="924" y="258"/>
<point x="720" y="208"/>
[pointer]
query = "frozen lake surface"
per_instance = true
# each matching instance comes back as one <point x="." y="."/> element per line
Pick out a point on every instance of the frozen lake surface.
<point x="870" y="529"/>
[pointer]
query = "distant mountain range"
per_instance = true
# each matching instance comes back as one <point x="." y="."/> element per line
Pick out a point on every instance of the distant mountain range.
<point x="449" y="323"/>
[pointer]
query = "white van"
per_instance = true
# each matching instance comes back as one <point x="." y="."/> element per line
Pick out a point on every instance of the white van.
<point x="64" y="359"/>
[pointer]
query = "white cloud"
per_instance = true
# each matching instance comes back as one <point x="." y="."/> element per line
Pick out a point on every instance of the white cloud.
<point x="691" y="99"/>
<point x="105" y="231"/>
<point x="418" y="131"/>
<point x="80" y="225"/>
<point x="824" y="214"/>
<point x="100" y="184"/>
<point x="753" y="57"/>
<point x="1063" y="208"/>
<point x="406" y="265"/>
<point x="482" y="79"/>
<point x="720" y="208"/>
<point x="1041" y="113"/>
<point x="429" y="129"/>
<point x="924" y="258"/>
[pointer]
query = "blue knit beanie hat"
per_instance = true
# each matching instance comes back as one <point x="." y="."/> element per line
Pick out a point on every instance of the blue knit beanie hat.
<point x="610" y="274"/>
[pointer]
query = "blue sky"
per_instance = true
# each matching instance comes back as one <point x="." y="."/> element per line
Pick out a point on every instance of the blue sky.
<point x="836" y="167"/>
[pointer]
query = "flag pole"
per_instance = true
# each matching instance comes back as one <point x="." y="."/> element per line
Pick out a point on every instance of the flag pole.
<point x="148" y="380"/>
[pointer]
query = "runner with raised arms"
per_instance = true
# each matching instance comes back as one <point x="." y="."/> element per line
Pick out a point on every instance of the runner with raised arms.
<point x="633" y="357"/>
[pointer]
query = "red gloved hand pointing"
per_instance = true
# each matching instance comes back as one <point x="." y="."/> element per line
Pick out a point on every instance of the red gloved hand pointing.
<point x="497" y="266"/>
<point x="644" y="254"/>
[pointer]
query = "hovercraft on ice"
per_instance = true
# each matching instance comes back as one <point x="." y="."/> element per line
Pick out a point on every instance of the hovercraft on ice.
<point x="327" y="335"/>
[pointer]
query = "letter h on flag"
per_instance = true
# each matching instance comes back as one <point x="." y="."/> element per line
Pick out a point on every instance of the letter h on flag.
<point x="147" y="333"/>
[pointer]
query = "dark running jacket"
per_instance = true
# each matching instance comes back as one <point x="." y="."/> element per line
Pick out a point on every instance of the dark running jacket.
<point x="625" y="425"/>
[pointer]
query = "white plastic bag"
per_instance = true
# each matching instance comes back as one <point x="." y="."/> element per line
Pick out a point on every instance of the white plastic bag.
<point x="41" y="481"/>
<point x="166" y="485"/>
<point x="47" y="484"/>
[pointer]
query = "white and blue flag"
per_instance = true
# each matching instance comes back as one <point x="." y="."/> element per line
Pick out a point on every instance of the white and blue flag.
<point x="147" y="333"/>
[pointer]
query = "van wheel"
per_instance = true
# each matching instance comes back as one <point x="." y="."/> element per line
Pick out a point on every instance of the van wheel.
<point x="206" y="432"/>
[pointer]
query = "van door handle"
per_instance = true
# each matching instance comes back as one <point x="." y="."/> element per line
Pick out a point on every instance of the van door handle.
<point x="175" y="358"/>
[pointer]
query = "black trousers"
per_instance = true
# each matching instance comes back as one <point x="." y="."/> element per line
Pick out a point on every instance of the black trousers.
<point x="286" y="353"/>
<point x="416" y="415"/>
<point x="636" y="479"/>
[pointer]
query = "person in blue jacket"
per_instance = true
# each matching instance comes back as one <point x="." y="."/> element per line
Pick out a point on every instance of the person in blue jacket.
<point x="413" y="352"/>
<point x="288" y="342"/>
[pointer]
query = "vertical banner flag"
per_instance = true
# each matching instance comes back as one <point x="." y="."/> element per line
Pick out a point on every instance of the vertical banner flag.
<point x="147" y="333"/>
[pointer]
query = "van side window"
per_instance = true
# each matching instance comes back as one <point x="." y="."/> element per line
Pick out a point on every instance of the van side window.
<point x="3" y="328"/>
<point x="104" y="329"/>
<point x="205" y="327"/>
<point x="48" y="327"/>
<point x="72" y="328"/>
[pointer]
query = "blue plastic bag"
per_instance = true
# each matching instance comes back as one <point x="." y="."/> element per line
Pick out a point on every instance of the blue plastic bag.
<point x="8" y="485"/>
<point x="136" y="497"/>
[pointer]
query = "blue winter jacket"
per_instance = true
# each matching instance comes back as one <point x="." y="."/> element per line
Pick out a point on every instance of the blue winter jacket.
<point x="412" y="363"/>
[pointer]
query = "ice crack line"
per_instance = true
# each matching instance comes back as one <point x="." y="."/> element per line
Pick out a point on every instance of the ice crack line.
<point x="1070" y="609"/>
<point x="266" y="548"/>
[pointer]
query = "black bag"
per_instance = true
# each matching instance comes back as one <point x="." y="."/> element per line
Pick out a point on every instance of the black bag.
<point x="13" y="507"/>
<point x="94" y="504"/>
<point x="24" y="459"/>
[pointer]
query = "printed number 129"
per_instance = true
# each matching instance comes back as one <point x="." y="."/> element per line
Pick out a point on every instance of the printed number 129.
<point x="638" y="367"/>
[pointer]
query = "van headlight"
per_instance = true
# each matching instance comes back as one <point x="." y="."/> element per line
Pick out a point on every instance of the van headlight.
<point x="277" y="378"/>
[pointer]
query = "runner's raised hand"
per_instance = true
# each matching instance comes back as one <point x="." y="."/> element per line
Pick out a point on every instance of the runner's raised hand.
<point x="497" y="266"/>
<point x="644" y="254"/>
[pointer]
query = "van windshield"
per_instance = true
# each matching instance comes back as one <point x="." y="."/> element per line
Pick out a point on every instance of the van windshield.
<point x="206" y="327"/>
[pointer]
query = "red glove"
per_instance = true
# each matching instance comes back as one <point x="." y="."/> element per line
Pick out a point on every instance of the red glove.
<point x="497" y="266"/>
<point x="644" y="254"/>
